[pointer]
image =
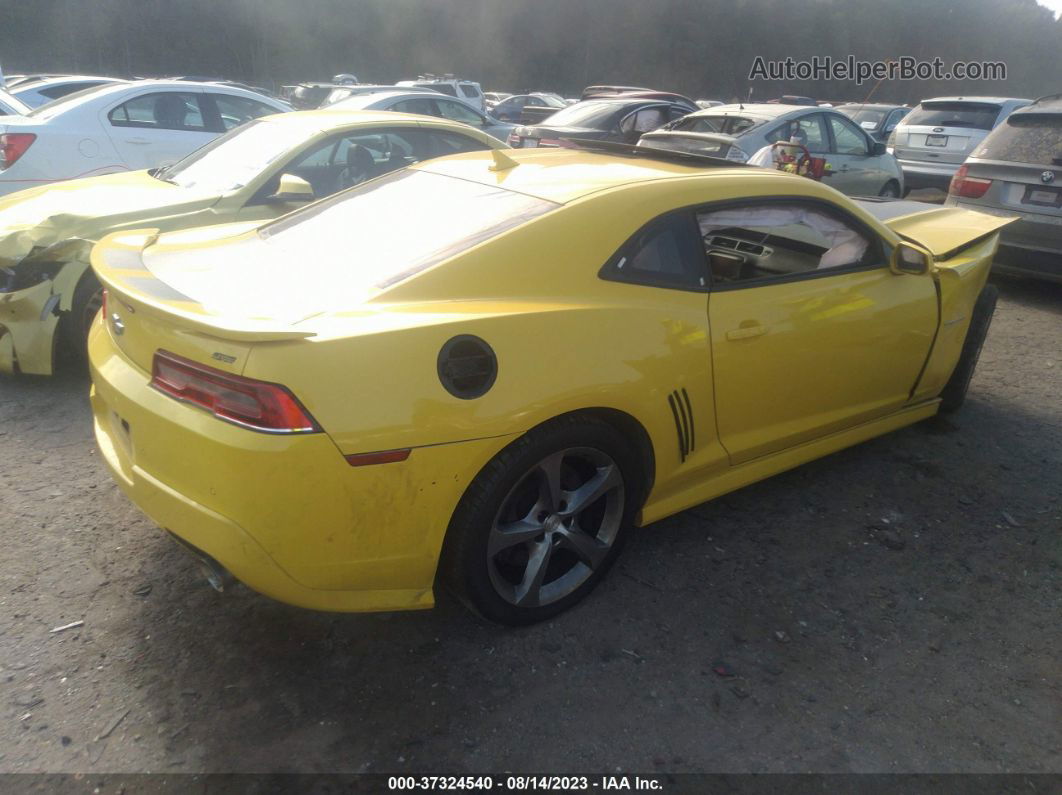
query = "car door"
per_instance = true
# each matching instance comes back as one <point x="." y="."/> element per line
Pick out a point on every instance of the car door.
<point x="158" y="127"/>
<point x="856" y="170"/>
<point x="811" y="333"/>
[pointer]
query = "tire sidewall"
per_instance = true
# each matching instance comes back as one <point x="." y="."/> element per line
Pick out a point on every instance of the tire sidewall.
<point x="474" y="517"/>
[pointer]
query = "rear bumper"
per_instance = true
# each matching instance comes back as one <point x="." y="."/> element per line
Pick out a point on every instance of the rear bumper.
<point x="286" y="515"/>
<point x="920" y="174"/>
<point x="1031" y="246"/>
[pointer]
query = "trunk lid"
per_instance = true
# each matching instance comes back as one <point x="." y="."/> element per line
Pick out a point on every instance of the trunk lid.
<point x="144" y="312"/>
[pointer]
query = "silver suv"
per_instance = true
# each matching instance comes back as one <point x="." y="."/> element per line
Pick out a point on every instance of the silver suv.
<point x="1017" y="171"/>
<point x="934" y="139"/>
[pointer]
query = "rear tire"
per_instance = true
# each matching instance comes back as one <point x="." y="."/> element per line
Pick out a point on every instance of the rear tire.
<point x="954" y="393"/>
<point x="543" y="522"/>
<point x="891" y="190"/>
<point x="84" y="306"/>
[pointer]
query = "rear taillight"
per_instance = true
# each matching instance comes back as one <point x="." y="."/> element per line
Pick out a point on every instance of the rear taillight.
<point x="514" y="139"/>
<point x="967" y="187"/>
<point x="258" y="405"/>
<point x="13" y="146"/>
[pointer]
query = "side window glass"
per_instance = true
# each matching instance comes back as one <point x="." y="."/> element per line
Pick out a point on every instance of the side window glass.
<point x="665" y="253"/>
<point x="649" y="119"/>
<point x="425" y="107"/>
<point x="458" y="112"/>
<point x="848" y="140"/>
<point x="469" y="90"/>
<point x="235" y="111"/>
<point x="164" y="111"/>
<point x="675" y="112"/>
<point x="761" y="243"/>
<point x="811" y="132"/>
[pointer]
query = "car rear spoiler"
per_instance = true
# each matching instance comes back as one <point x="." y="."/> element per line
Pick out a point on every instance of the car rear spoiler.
<point x="944" y="231"/>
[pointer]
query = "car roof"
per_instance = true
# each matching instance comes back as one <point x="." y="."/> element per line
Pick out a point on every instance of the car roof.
<point x="758" y="110"/>
<point x="1051" y="104"/>
<point x="56" y="79"/>
<point x="983" y="100"/>
<point x="334" y="116"/>
<point x="870" y="105"/>
<point x="566" y="175"/>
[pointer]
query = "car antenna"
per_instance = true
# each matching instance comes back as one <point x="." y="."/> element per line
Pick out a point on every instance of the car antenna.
<point x="502" y="162"/>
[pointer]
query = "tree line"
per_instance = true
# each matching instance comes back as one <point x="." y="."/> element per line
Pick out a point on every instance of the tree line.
<point x="702" y="48"/>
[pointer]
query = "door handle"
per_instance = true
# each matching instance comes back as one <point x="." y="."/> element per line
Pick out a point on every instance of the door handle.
<point x="138" y="141"/>
<point x="746" y="332"/>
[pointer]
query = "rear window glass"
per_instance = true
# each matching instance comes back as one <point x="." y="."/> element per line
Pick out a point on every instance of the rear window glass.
<point x="975" y="116"/>
<point x="679" y="143"/>
<point x="594" y="115"/>
<point x="353" y="242"/>
<point x="728" y="125"/>
<point x="1026" y="138"/>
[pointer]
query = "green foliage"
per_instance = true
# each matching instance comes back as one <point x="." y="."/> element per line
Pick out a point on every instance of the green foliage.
<point x="703" y="48"/>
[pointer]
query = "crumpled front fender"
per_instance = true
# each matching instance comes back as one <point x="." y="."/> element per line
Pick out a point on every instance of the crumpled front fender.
<point x="29" y="317"/>
<point x="28" y="321"/>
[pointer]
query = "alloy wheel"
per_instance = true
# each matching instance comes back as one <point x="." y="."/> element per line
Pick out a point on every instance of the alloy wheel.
<point x="555" y="527"/>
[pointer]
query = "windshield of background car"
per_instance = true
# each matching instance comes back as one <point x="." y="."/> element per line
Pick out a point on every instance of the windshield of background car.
<point x="726" y="124"/>
<point x="865" y="118"/>
<point x="1026" y="138"/>
<point x="975" y="115"/>
<point x="377" y="234"/>
<point x="595" y="115"/>
<point x="232" y="160"/>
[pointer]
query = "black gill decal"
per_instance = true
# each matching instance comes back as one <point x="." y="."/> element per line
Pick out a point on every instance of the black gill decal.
<point x="682" y="412"/>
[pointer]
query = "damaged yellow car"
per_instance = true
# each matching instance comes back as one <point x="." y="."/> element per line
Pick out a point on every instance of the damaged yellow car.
<point x="256" y="172"/>
<point x="342" y="409"/>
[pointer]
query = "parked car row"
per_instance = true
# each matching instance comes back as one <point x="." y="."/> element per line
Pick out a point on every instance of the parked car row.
<point x="328" y="314"/>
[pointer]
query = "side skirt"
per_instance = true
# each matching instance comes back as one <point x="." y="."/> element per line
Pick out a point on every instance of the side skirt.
<point x="761" y="468"/>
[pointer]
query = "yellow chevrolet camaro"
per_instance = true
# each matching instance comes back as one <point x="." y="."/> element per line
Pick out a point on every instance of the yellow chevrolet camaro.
<point x="482" y="369"/>
<point x="256" y="172"/>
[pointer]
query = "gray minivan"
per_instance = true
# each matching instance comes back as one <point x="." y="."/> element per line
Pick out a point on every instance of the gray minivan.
<point x="1017" y="171"/>
<point x="934" y="139"/>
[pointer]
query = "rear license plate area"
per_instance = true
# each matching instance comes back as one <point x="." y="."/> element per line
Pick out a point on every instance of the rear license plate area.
<point x="1042" y="197"/>
<point x="122" y="433"/>
<point x="936" y="140"/>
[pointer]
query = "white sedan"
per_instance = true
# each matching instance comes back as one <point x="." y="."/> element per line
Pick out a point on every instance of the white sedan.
<point x="120" y="127"/>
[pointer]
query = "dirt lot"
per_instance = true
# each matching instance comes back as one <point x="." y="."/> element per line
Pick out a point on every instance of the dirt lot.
<point x="894" y="607"/>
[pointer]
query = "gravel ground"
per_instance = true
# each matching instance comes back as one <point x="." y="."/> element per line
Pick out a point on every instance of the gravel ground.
<point x="893" y="607"/>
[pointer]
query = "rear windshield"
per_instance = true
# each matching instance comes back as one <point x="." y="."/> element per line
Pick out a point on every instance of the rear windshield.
<point x="379" y="233"/>
<point x="51" y="109"/>
<point x="679" y="143"/>
<point x="726" y="124"/>
<point x="866" y="118"/>
<point x="595" y="115"/>
<point x="1026" y="138"/>
<point x="974" y="115"/>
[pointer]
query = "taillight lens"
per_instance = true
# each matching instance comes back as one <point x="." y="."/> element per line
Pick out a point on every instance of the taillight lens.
<point x="258" y="405"/>
<point x="967" y="187"/>
<point x="514" y="139"/>
<point x="13" y="146"/>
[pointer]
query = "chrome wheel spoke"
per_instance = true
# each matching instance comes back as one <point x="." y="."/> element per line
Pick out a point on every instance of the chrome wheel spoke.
<point x="528" y="591"/>
<point x="511" y="534"/>
<point x="606" y="479"/>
